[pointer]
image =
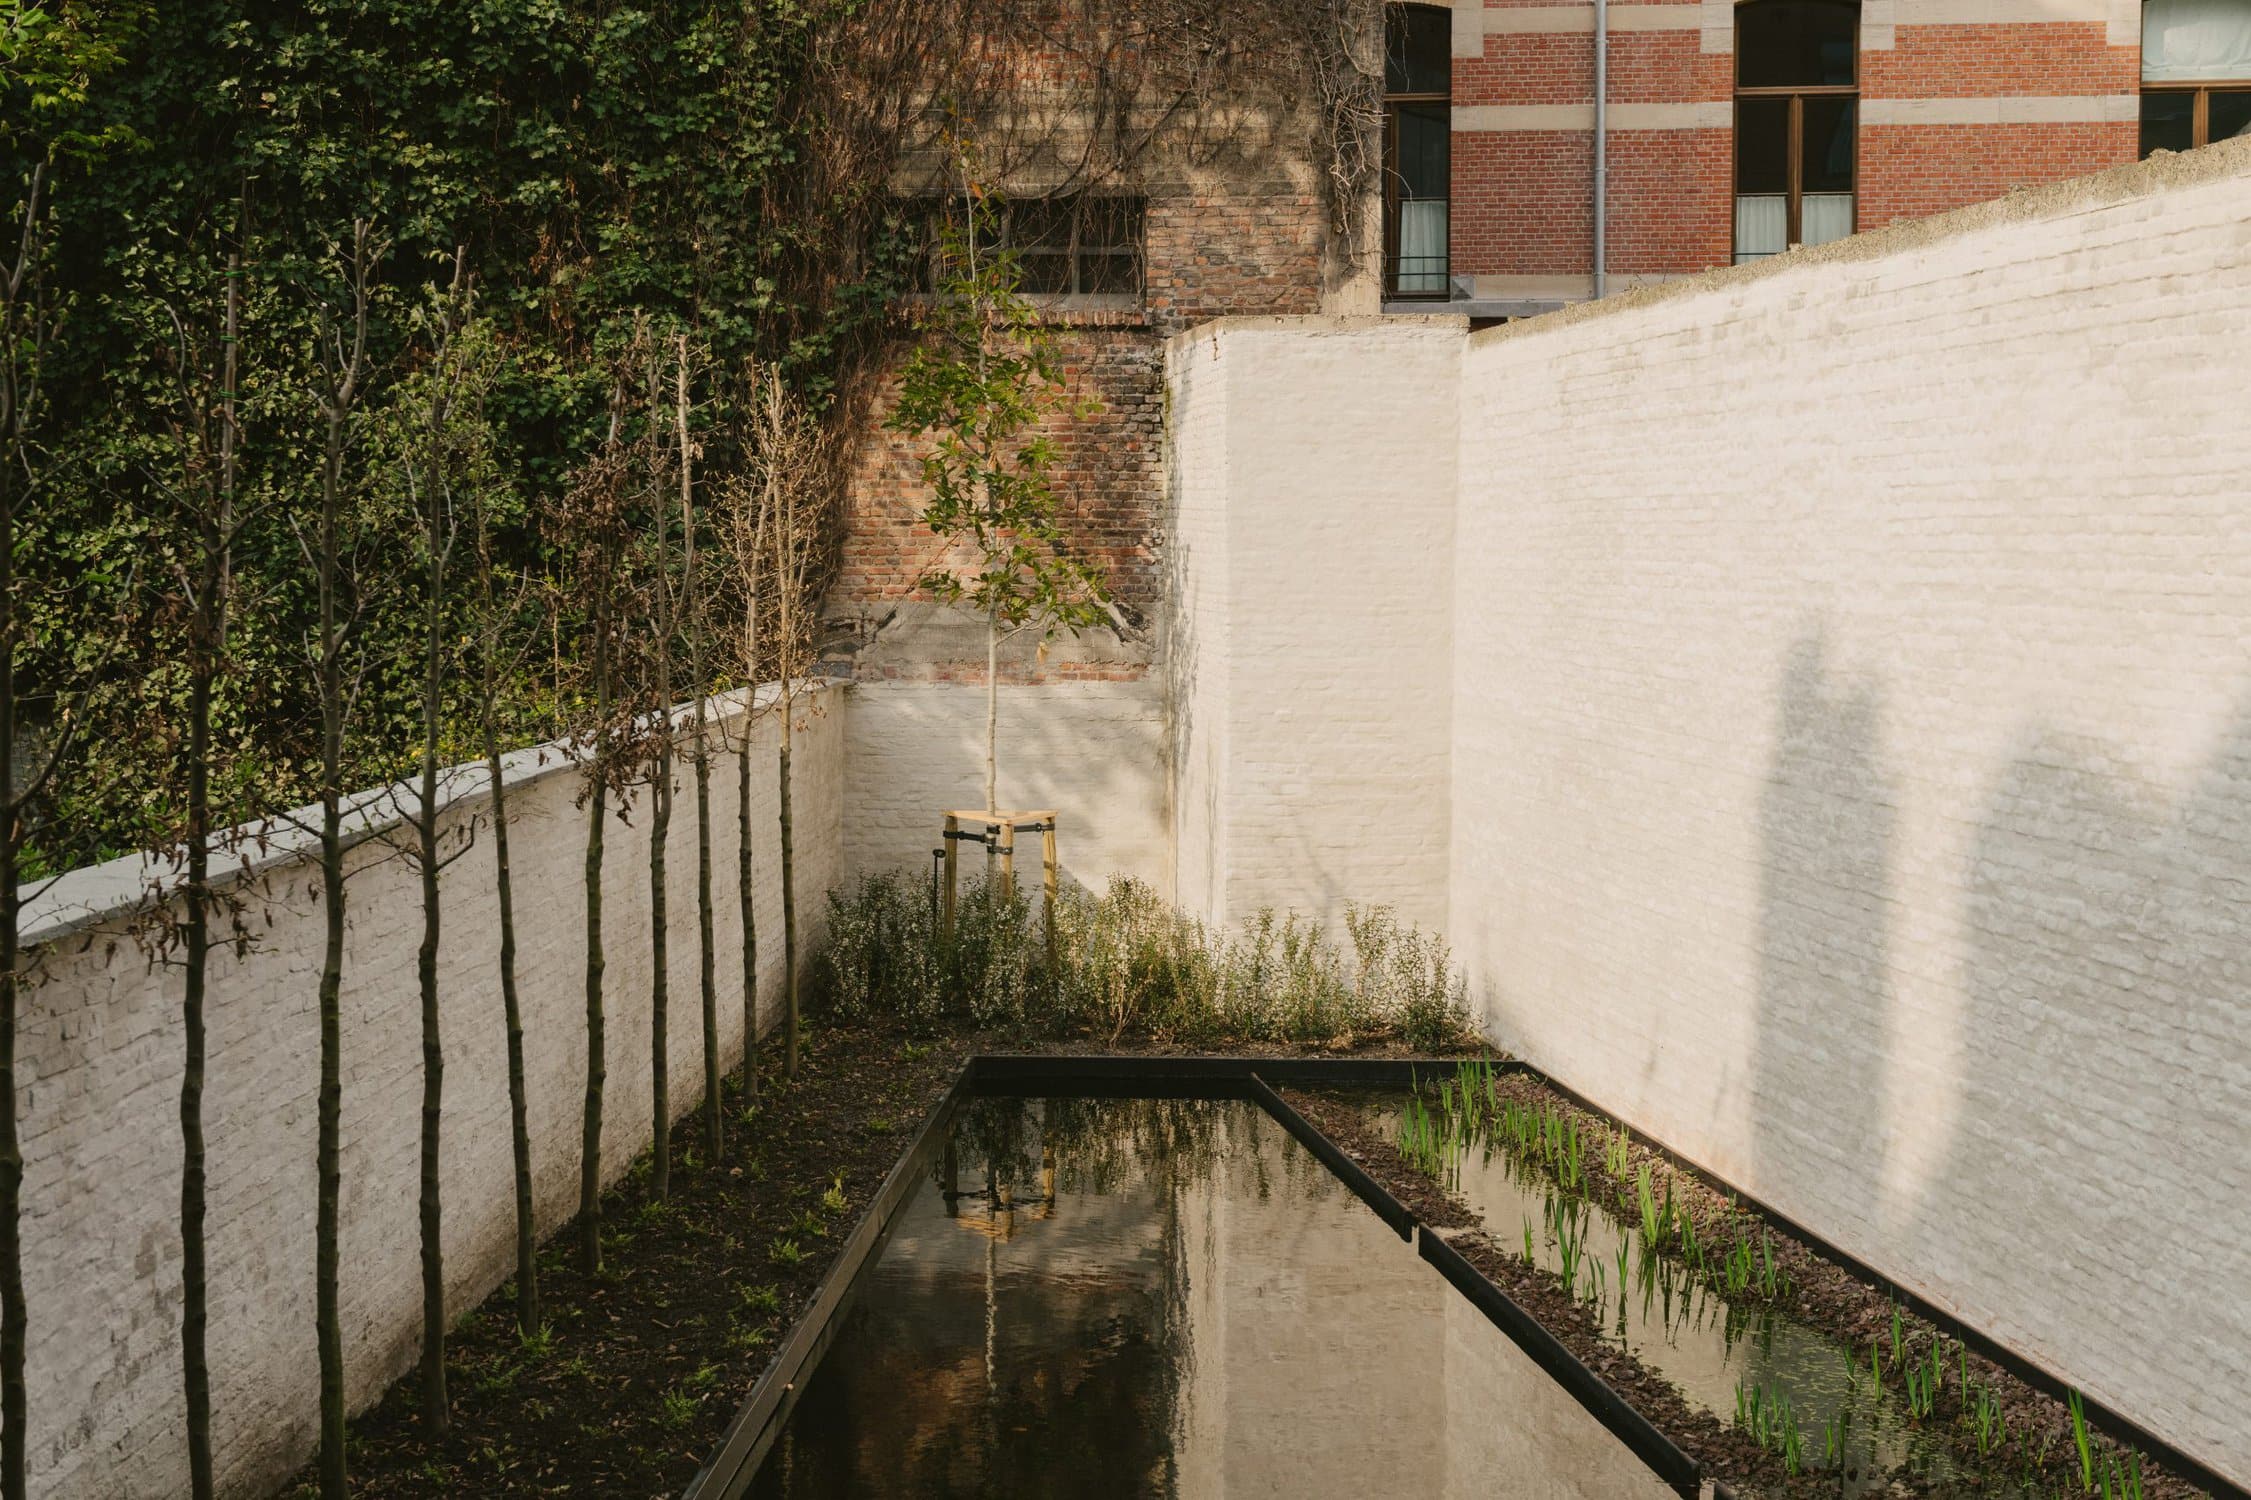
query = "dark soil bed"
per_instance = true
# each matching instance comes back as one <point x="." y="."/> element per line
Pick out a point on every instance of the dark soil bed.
<point x="1822" y="1295"/>
<point x="647" y="1363"/>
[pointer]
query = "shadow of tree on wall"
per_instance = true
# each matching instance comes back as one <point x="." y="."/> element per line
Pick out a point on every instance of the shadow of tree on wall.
<point x="2106" y="1070"/>
<point x="1827" y="819"/>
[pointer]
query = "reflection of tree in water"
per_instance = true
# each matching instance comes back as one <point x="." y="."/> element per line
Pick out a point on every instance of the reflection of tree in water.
<point x="1040" y="1342"/>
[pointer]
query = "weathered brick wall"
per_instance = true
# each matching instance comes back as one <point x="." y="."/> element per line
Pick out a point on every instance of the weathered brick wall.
<point x="1083" y="720"/>
<point x="1852" y="753"/>
<point x="100" y="1049"/>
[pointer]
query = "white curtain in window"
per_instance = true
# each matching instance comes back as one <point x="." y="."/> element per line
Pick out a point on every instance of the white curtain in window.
<point x="1825" y="216"/>
<point x="1762" y="220"/>
<point x="1422" y="245"/>
<point x="2204" y="40"/>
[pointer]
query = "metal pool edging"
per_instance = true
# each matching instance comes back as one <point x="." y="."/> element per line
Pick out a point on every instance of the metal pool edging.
<point x="729" y="1471"/>
<point x="1597" y="1395"/>
<point x="743" y="1448"/>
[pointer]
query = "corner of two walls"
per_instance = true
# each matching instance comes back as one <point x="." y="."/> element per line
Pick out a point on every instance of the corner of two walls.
<point x="1814" y="699"/>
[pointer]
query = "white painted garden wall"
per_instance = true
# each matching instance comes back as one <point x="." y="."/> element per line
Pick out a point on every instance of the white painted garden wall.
<point x="1849" y="731"/>
<point x="100" y="1052"/>
<point x="1310" y="617"/>
<point x="1092" y="751"/>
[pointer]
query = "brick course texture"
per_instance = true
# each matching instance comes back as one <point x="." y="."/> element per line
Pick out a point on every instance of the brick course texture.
<point x="101" y="1047"/>
<point x="1224" y="249"/>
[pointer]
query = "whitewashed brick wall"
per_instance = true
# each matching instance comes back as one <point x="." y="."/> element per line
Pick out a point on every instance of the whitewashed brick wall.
<point x="1845" y="764"/>
<point x="1312" y="513"/>
<point x="100" y="1056"/>
<point x="1094" y="752"/>
<point x="1852" y="754"/>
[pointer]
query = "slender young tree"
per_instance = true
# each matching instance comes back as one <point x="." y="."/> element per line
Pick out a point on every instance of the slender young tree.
<point x="26" y="326"/>
<point x="499" y="651"/>
<point x="980" y="383"/>
<point x="344" y="355"/>
<point x="593" y="529"/>
<point x="661" y="743"/>
<point x="691" y="583"/>
<point x="202" y="504"/>
<point x="431" y="455"/>
<point x="792" y="458"/>
<point x="746" y="539"/>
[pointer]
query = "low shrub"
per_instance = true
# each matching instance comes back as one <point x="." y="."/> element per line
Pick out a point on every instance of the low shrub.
<point x="1128" y="963"/>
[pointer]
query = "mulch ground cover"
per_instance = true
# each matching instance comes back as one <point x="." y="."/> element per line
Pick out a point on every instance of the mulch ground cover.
<point x="1821" y="1294"/>
<point x="646" y="1363"/>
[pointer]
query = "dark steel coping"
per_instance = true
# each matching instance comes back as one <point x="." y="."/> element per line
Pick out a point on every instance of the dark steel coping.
<point x="752" y="1433"/>
<point x="1343" y="1167"/>
<point x="730" y="1470"/>
<point x="1594" y="1393"/>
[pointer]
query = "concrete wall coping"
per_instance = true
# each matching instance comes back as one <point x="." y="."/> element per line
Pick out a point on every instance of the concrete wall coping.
<point x="95" y="894"/>
<point x="1316" y="324"/>
<point x="2162" y="173"/>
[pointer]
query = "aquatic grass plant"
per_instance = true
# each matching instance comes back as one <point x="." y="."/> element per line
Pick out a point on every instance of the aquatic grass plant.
<point x="1772" y="1422"/>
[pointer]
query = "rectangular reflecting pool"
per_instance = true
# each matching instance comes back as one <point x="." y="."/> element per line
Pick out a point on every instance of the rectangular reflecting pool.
<point x="1168" y="1297"/>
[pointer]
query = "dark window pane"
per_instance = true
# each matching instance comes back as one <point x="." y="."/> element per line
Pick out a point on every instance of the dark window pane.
<point x="1425" y="141"/>
<point x="1762" y="145"/>
<point x="1418" y="50"/>
<point x="1043" y="271"/>
<point x="1110" y="271"/>
<point x="2168" y="120"/>
<point x="2231" y="114"/>
<point x="1794" y="43"/>
<point x="1041" y="224"/>
<point x="1828" y="145"/>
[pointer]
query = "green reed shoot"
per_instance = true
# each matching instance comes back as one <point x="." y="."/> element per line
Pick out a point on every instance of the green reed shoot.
<point x="2082" y="1438"/>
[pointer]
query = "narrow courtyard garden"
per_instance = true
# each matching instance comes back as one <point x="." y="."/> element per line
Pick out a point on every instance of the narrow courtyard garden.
<point x="810" y="748"/>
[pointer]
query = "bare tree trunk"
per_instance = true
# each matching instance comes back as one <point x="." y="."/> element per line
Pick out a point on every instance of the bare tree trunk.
<point x="438" y="535"/>
<point x="342" y="397"/>
<point x="748" y="560"/>
<point x="660" y="921"/>
<point x="14" y="335"/>
<point x="207" y="631"/>
<point x="790" y="1024"/>
<point x="590" y="1137"/>
<point x="707" y="970"/>
<point x="746" y="888"/>
<point x="519" y="1128"/>
<point x="992" y="713"/>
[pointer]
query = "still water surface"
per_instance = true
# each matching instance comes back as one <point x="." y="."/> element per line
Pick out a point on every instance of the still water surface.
<point x="1165" y="1297"/>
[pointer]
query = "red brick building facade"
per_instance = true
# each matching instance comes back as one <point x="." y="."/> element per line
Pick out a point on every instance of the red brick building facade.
<point x="1733" y="129"/>
<point x="1728" y="129"/>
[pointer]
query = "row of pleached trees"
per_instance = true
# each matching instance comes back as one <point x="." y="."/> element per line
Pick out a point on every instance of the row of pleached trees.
<point x="680" y="548"/>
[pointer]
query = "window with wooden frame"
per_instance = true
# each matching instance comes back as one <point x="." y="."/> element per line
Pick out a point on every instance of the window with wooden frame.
<point x="1797" y="97"/>
<point x="1072" y="250"/>
<point x="2196" y="73"/>
<point x="1418" y="141"/>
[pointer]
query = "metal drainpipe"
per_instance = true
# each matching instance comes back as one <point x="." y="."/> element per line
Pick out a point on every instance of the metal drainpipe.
<point x="1601" y="145"/>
